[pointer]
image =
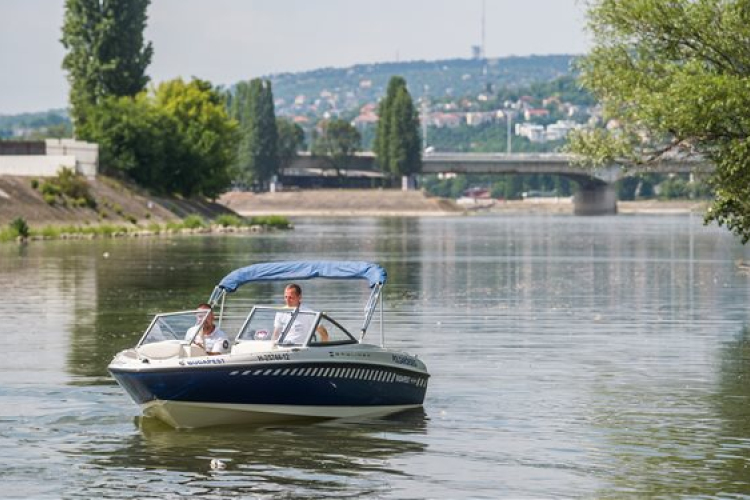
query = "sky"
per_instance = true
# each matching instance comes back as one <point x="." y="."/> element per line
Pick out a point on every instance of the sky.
<point x="226" y="41"/>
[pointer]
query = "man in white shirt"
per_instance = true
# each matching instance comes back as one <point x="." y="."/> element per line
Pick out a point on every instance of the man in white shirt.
<point x="302" y="323"/>
<point x="211" y="338"/>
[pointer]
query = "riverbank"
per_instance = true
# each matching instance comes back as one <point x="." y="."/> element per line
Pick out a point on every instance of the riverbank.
<point x="340" y="203"/>
<point x="565" y="206"/>
<point x="121" y="204"/>
<point x="393" y="202"/>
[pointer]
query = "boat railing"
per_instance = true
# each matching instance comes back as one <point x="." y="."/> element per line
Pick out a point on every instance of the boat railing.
<point x="372" y="303"/>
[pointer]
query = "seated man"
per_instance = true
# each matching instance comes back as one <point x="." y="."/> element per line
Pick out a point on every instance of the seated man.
<point x="211" y="338"/>
<point x="302" y="323"/>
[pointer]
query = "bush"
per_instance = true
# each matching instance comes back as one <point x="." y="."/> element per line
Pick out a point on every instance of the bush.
<point x="50" y="188"/>
<point x="34" y="184"/>
<point x="227" y="220"/>
<point x="193" y="222"/>
<point x="19" y="227"/>
<point x="277" y="221"/>
<point x="68" y="185"/>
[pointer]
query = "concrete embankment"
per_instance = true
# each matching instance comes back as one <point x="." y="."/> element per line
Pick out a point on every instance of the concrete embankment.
<point x="339" y="202"/>
<point x="115" y="202"/>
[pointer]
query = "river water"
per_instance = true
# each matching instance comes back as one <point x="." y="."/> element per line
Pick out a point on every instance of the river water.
<point x="570" y="357"/>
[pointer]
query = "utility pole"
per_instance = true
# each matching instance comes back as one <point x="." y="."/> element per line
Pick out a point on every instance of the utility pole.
<point x="484" y="52"/>
<point x="424" y="123"/>
<point x="508" y="119"/>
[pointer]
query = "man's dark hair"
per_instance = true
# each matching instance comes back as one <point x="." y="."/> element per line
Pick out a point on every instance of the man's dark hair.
<point x="296" y="288"/>
<point x="204" y="306"/>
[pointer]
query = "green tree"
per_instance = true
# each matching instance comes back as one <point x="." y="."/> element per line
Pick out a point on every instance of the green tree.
<point x="132" y="136"/>
<point x="337" y="142"/>
<point x="204" y="134"/>
<point x="177" y="139"/>
<point x="106" y="55"/>
<point x="257" y="156"/>
<point x="291" y="139"/>
<point x="676" y="76"/>
<point x="404" y="141"/>
<point x="397" y="144"/>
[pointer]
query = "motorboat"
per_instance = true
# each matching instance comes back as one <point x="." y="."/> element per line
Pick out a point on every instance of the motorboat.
<point x="321" y="371"/>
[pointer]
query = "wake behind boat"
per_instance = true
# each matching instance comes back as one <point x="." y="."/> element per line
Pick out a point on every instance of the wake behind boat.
<point x="315" y="368"/>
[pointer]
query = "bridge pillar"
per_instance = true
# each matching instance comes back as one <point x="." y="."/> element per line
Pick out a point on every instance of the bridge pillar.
<point x="595" y="200"/>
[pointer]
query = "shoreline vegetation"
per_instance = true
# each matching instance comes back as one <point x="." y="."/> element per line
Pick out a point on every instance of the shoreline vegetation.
<point x="19" y="230"/>
<point x="66" y="208"/>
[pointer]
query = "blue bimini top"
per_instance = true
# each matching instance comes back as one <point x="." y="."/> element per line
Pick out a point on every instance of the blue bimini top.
<point x="304" y="270"/>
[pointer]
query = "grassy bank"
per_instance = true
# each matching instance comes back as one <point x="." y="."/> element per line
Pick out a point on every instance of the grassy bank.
<point x="20" y="230"/>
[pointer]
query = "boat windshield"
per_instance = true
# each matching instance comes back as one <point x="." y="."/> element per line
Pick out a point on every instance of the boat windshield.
<point x="293" y="326"/>
<point x="173" y="326"/>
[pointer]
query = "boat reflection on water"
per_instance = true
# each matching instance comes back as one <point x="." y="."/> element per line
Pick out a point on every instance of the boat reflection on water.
<point x="349" y="456"/>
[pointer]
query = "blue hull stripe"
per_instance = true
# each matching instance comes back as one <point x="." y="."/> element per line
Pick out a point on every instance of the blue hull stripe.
<point x="273" y="384"/>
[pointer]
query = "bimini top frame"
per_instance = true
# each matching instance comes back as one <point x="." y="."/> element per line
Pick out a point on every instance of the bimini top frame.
<point x="304" y="270"/>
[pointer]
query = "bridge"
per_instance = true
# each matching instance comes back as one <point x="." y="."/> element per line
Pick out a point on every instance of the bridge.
<point x="596" y="194"/>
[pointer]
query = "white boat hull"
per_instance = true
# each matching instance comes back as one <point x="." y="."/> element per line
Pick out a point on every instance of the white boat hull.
<point x="187" y="415"/>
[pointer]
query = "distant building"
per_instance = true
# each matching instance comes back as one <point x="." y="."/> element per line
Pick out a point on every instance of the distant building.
<point x="368" y="108"/>
<point x="474" y="119"/>
<point x="532" y="113"/>
<point x="365" y="120"/>
<point x="550" y="101"/>
<point x="532" y="131"/>
<point x="553" y="132"/>
<point x="560" y="130"/>
<point x="440" y="120"/>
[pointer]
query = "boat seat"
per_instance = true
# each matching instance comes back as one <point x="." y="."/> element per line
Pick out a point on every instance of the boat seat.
<point x="170" y="349"/>
<point x="161" y="350"/>
<point x="252" y="346"/>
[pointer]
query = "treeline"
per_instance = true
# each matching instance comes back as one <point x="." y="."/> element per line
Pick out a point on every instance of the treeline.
<point x="513" y="187"/>
<point x="485" y="138"/>
<point x="565" y="88"/>
<point x="505" y="187"/>
<point x="53" y="123"/>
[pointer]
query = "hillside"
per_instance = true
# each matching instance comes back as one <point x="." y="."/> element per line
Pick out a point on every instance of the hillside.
<point x="436" y="79"/>
<point x="345" y="90"/>
<point x="116" y="203"/>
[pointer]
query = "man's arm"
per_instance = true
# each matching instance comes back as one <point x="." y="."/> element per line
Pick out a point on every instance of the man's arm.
<point x="323" y="333"/>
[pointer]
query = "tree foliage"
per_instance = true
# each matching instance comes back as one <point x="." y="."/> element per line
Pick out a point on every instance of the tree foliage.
<point x="257" y="154"/>
<point x="337" y="141"/>
<point x="176" y="139"/>
<point x="203" y="132"/>
<point x="106" y="55"/>
<point x="675" y="75"/>
<point x="397" y="144"/>
<point x="291" y="139"/>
